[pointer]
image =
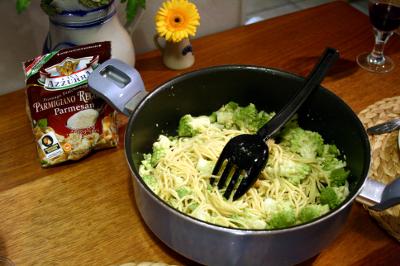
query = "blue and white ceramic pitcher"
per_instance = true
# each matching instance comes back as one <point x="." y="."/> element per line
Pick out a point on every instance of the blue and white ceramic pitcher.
<point x="75" y="24"/>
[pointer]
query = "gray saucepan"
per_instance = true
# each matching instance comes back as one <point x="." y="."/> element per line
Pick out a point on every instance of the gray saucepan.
<point x="203" y="91"/>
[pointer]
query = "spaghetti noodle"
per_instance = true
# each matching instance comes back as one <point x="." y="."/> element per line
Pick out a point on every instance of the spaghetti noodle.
<point x="282" y="195"/>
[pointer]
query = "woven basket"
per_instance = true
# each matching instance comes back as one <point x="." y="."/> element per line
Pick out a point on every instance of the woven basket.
<point x="385" y="165"/>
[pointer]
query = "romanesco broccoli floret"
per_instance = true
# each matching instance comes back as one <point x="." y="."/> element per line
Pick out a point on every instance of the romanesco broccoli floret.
<point x="330" y="150"/>
<point x="338" y="177"/>
<point x="205" y="167"/>
<point x="183" y="191"/>
<point x="230" y="107"/>
<point x="281" y="213"/>
<point x="328" y="196"/>
<point x="160" y="148"/>
<point x="312" y="211"/>
<point x="189" y="126"/>
<point x="146" y="172"/>
<point x="335" y="169"/>
<point x="248" y="118"/>
<point x="329" y="163"/>
<point x="333" y="196"/>
<point x="251" y="221"/>
<point x="293" y="171"/>
<point x="304" y="142"/>
<point x="145" y="167"/>
<point x="151" y="181"/>
<point x="224" y="115"/>
<point x="245" y="118"/>
<point x="282" y="219"/>
<point x="342" y="192"/>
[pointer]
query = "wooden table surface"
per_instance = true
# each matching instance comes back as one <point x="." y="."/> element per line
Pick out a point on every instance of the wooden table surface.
<point x="84" y="213"/>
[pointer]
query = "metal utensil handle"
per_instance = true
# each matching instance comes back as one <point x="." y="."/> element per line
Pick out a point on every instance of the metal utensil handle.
<point x="386" y="127"/>
<point x="316" y="76"/>
<point x="118" y="84"/>
<point x="378" y="196"/>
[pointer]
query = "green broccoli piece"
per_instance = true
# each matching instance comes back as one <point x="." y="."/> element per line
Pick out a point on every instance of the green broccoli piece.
<point x="293" y="171"/>
<point x="330" y="163"/>
<point x="231" y="106"/>
<point x="251" y="221"/>
<point x="338" y="177"/>
<point x="282" y="219"/>
<point x="193" y="206"/>
<point x="312" y="211"/>
<point x="151" y="181"/>
<point x="243" y="117"/>
<point x="256" y="223"/>
<point x="183" y="191"/>
<point x="205" y="167"/>
<point x="189" y="126"/>
<point x="249" y="118"/>
<point x="224" y="115"/>
<point x="330" y="150"/>
<point x="304" y="142"/>
<point x="328" y="196"/>
<point x="160" y="149"/>
<point x="246" y="118"/>
<point x="145" y="167"/>
<point x="342" y="192"/>
<point x="282" y="214"/>
<point x="213" y="117"/>
<point x="262" y="118"/>
<point x="334" y="167"/>
<point x="231" y="115"/>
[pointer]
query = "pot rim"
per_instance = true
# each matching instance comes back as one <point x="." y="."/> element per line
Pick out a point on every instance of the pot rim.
<point x="239" y="231"/>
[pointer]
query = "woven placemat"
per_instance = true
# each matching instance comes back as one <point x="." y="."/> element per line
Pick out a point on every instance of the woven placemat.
<point x="385" y="165"/>
<point x="146" y="263"/>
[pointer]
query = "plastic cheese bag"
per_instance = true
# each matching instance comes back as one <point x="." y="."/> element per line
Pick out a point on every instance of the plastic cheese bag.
<point x="68" y="121"/>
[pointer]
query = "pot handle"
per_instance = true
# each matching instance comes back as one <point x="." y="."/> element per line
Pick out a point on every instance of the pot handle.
<point x="118" y="84"/>
<point x="378" y="196"/>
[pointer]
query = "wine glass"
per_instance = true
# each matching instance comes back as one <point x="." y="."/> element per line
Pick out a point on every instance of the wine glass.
<point x="385" y="19"/>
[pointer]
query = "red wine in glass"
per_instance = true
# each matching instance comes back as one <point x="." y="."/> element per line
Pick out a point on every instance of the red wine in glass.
<point x="384" y="16"/>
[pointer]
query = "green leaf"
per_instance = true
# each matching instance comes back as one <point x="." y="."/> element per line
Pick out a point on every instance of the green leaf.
<point x="47" y="8"/>
<point x="132" y="7"/>
<point x="21" y="5"/>
<point x="94" y="4"/>
<point x="142" y="3"/>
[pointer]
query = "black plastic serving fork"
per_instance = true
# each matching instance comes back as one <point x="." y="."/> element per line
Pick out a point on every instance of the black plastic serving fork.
<point x="249" y="152"/>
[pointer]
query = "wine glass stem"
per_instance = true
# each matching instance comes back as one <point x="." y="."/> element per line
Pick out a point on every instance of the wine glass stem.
<point x="381" y="37"/>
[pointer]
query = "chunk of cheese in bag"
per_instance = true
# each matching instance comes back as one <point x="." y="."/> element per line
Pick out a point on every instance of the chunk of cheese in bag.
<point x="68" y="121"/>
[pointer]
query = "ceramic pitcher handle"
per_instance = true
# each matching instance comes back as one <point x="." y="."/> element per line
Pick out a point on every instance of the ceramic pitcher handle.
<point x="156" y="40"/>
<point x="118" y="84"/>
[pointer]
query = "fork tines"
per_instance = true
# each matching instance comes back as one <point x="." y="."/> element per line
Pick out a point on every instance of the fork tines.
<point x="230" y="168"/>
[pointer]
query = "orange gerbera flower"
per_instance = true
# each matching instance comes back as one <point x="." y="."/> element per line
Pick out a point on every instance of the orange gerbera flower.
<point x="176" y="20"/>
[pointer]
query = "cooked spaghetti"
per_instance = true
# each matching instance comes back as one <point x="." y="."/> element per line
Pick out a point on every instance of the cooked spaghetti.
<point x="303" y="178"/>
